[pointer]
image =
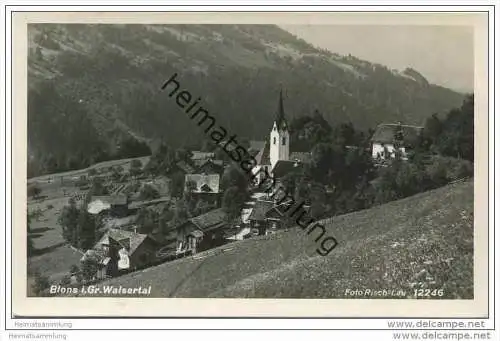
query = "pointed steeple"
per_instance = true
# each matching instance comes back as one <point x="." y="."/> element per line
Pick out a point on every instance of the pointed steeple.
<point x="280" y="115"/>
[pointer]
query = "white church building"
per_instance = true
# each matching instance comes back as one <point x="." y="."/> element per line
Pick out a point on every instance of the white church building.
<point x="274" y="155"/>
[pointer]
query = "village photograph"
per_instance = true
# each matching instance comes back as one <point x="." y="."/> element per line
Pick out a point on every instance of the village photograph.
<point x="250" y="161"/>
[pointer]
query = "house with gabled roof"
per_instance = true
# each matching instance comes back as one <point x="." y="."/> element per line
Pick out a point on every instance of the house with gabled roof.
<point x="204" y="186"/>
<point x="209" y="166"/>
<point x="267" y="217"/>
<point x="202" y="232"/>
<point x="387" y="136"/>
<point x="126" y="250"/>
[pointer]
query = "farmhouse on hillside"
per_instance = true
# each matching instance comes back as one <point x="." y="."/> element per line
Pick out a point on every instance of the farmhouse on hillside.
<point x="202" y="232"/>
<point x="120" y="250"/>
<point x="388" y="136"/>
<point x="204" y="186"/>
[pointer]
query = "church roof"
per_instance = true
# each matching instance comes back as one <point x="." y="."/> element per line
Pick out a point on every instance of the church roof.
<point x="262" y="156"/>
<point x="280" y="115"/>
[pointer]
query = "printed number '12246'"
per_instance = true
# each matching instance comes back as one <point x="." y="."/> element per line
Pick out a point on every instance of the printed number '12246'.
<point x="428" y="292"/>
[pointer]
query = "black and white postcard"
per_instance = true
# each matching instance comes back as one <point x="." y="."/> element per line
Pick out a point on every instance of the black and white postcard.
<point x="250" y="164"/>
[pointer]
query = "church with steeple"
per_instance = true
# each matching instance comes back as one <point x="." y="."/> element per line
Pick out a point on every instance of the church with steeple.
<point x="274" y="155"/>
<point x="279" y="148"/>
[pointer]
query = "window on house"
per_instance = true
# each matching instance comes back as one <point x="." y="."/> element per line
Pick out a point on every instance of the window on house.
<point x="274" y="140"/>
<point x="284" y="141"/>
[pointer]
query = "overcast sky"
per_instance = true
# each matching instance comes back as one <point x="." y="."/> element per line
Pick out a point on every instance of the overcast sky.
<point x="442" y="54"/>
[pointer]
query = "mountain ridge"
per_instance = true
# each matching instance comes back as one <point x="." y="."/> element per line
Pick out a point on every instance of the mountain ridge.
<point x="108" y="77"/>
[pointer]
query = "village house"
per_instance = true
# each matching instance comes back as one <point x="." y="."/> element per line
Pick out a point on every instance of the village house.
<point x="183" y="167"/>
<point x="202" y="232"/>
<point x="386" y="136"/>
<point x="112" y="205"/>
<point x="122" y="251"/>
<point x="136" y="205"/>
<point x="125" y="223"/>
<point x="204" y="186"/>
<point x="266" y="217"/>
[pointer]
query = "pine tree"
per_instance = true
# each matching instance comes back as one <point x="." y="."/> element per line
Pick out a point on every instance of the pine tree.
<point x="86" y="229"/>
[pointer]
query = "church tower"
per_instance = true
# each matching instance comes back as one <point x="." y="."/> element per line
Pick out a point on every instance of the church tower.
<point x="279" y="144"/>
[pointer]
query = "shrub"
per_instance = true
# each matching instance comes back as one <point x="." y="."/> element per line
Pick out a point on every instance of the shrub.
<point x="444" y="169"/>
<point x="66" y="280"/>
<point x="135" y="167"/>
<point x="34" y="191"/>
<point x="460" y="169"/>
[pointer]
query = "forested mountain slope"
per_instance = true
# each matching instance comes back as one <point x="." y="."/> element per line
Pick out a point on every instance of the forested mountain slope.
<point x="93" y="86"/>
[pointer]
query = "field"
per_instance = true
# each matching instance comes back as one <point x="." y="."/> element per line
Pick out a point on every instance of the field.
<point x="424" y="241"/>
<point x="53" y="257"/>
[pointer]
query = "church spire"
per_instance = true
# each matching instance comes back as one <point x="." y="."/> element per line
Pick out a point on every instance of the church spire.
<point x="280" y="115"/>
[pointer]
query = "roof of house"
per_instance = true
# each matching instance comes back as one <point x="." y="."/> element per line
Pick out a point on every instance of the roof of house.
<point x="142" y="203"/>
<point x="304" y="157"/>
<point x="205" y="183"/>
<point x="196" y="233"/>
<point x="185" y="166"/>
<point x="98" y="204"/>
<point x="385" y="133"/>
<point x="127" y="239"/>
<point x="239" y="235"/>
<point x="275" y="212"/>
<point x="260" y="209"/>
<point x="120" y="222"/>
<point x="218" y="164"/>
<point x="197" y="155"/>
<point x="93" y="253"/>
<point x="118" y="199"/>
<point x="283" y="167"/>
<point x="210" y="220"/>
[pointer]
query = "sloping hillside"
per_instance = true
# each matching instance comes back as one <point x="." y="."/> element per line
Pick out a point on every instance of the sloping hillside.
<point x="424" y="241"/>
<point x="91" y="85"/>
